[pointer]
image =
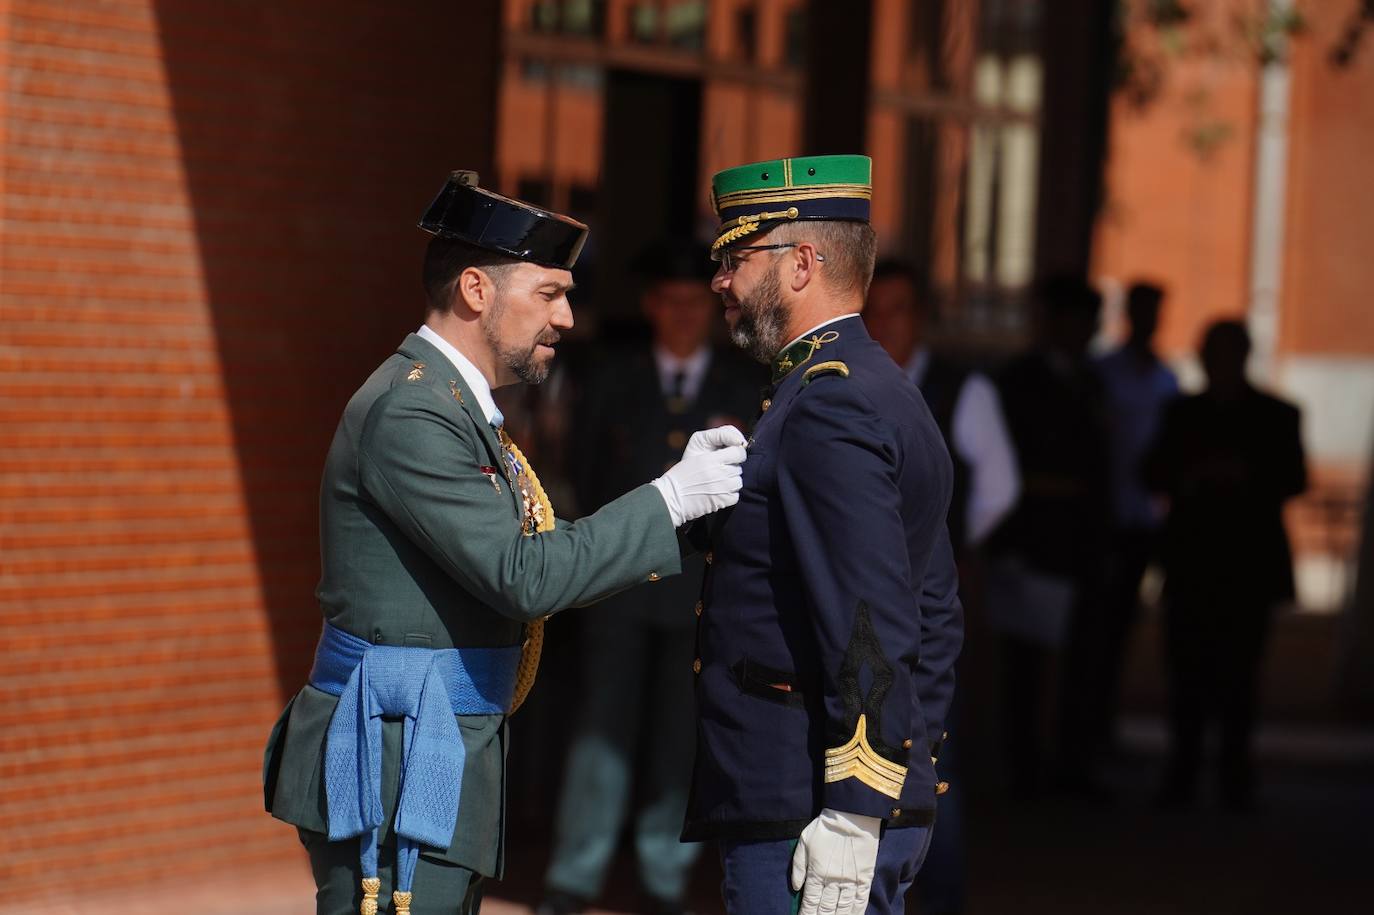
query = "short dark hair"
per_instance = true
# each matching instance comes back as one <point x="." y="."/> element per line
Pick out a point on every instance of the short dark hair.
<point x="1064" y="294"/>
<point x="1142" y="294"/>
<point x="850" y="248"/>
<point x="895" y="268"/>
<point x="1227" y="334"/>
<point x="445" y="261"/>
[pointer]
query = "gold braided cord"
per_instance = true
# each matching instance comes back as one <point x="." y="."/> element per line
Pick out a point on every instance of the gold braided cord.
<point x="400" y="901"/>
<point x="371" y="887"/>
<point x="751" y="223"/>
<point x="793" y="194"/>
<point x="534" y="632"/>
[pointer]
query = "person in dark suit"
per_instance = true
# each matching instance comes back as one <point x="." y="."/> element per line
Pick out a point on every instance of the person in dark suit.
<point x="830" y="618"/>
<point x="1054" y="541"/>
<point x="637" y="409"/>
<point x="1227" y="459"/>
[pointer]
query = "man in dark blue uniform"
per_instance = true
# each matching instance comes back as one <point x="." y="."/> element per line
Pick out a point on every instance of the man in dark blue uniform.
<point x="829" y="621"/>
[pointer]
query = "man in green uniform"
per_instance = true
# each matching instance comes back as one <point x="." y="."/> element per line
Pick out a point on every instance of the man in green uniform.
<point x="441" y="557"/>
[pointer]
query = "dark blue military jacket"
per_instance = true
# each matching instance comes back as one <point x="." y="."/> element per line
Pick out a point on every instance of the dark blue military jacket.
<point x="830" y="618"/>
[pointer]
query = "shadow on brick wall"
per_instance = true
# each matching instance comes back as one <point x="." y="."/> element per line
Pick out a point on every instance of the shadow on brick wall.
<point x="312" y="136"/>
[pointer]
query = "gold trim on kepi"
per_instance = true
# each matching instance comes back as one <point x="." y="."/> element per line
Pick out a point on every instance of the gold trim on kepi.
<point x="755" y="197"/>
<point x="857" y="759"/>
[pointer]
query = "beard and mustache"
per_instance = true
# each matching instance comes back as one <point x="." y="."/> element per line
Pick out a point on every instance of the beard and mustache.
<point x="762" y="323"/>
<point x="520" y="359"/>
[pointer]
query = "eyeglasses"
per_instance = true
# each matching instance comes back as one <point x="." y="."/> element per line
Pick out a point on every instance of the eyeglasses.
<point x="730" y="258"/>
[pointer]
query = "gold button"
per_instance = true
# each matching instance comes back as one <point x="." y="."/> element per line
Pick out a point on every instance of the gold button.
<point x="677" y="439"/>
<point x="710" y="555"/>
<point x="699" y="608"/>
<point x="941" y="788"/>
<point x="653" y="576"/>
<point x="766" y="404"/>
<point x="696" y="666"/>
<point x="906" y="744"/>
<point x="895" y="812"/>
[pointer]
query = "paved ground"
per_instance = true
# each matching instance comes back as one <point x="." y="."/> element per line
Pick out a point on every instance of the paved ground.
<point x="1308" y="850"/>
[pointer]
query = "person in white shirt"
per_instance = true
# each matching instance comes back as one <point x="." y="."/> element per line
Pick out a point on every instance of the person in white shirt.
<point x="965" y="405"/>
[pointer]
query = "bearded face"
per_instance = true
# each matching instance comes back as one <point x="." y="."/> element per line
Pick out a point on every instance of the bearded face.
<point x="761" y="324"/>
<point x="519" y="328"/>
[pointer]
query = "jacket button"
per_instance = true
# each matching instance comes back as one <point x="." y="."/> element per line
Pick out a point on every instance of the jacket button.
<point x="895" y="812"/>
<point x="378" y="638"/>
<point x="906" y="744"/>
<point x="765" y="405"/>
<point x="699" y="608"/>
<point x="941" y="788"/>
<point x="696" y="666"/>
<point x="653" y="576"/>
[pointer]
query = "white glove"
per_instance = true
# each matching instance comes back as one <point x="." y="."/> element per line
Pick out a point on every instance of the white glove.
<point x="834" y="863"/>
<point x="708" y="440"/>
<point x="708" y="477"/>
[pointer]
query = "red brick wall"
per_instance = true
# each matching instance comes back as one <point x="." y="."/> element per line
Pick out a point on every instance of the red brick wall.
<point x="208" y="240"/>
<point x="1328" y="273"/>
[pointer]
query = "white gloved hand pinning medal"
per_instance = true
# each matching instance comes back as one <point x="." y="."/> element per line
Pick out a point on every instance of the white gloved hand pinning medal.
<point x="709" y="476"/>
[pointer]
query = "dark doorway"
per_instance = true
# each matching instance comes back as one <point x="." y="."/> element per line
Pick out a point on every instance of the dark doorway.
<point x="649" y="182"/>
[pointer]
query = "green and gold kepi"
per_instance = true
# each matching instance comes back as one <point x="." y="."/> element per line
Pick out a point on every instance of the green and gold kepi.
<point x="754" y="197"/>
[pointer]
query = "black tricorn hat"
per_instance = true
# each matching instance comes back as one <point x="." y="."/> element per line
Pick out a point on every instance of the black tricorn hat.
<point x="488" y="220"/>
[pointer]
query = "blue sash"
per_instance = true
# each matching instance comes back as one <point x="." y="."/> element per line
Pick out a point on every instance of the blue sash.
<point x="426" y="686"/>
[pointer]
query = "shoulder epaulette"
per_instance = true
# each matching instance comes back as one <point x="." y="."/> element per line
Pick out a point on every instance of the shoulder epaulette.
<point x="820" y="369"/>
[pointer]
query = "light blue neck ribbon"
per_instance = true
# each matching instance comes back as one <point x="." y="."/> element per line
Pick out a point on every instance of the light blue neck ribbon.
<point x="427" y="688"/>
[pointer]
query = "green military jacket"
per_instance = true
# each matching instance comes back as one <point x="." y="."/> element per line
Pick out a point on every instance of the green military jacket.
<point x="421" y="547"/>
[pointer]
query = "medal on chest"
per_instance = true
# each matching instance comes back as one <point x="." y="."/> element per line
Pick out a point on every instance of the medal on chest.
<point x="532" y="516"/>
<point x="531" y="504"/>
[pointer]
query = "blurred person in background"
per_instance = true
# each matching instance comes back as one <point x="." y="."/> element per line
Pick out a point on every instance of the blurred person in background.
<point x="637" y="408"/>
<point x="1227" y="459"/>
<point x="441" y="558"/>
<point x="965" y="404"/>
<point x="830" y="618"/>
<point x="1138" y="387"/>
<point x="1045" y="568"/>
<point x="968" y="412"/>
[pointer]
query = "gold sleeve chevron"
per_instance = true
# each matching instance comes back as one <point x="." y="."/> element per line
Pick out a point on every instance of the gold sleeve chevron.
<point x="856" y="759"/>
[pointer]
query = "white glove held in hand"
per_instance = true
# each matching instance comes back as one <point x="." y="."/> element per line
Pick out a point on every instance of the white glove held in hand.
<point x="707" y="478"/>
<point x="834" y="862"/>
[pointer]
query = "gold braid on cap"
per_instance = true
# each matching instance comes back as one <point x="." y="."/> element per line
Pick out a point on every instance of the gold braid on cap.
<point x="534" y="632"/>
<point x="747" y="224"/>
